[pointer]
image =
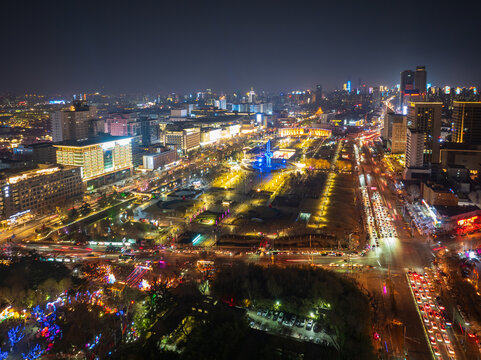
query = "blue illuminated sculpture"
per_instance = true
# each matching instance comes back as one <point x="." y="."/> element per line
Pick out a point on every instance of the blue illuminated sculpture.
<point x="268" y="154"/>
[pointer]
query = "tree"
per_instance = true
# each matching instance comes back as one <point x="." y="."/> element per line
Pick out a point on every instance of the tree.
<point x="15" y="335"/>
<point x="159" y="301"/>
<point x="225" y="331"/>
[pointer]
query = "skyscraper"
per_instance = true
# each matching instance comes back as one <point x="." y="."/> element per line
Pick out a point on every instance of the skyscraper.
<point x="420" y="81"/>
<point x="407" y="86"/>
<point x="467" y="122"/>
<point x="414" y="149"/>
<point x="318" y="93"/>
<point x="76" y="123"/>
<point x="394" y="132"/>
<point x="425" y="117"/>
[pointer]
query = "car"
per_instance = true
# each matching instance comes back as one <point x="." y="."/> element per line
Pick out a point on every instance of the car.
<point x="446" y="339"/>
<point x="435" y="325"/>
<point x="423" y="297"/>
<point x="431" y="304"/>
<point x="450" y="349"/>
<point x="426" y="320"/>
<point x="421" y="308"/>
<point x="439" y="338"/>
<point x="275" y="316"/>
<point x="259" y="312"/>
<point x="442" y="327"/>
<point x="264" y="313"/>
<point x="432" y="340"/>
<point x="281" y="316"/>
<point x="418" y="300"/>
<point x="436" y="350"/>
<point x="429" y="328"/>
<point x="309" y="324"/>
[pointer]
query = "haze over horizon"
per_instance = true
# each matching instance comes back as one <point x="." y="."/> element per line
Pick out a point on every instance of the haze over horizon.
<point x="147" y="47"/>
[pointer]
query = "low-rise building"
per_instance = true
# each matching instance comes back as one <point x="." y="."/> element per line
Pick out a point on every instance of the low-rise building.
<point x="40" y="190"/>
<point x="156" y="160"/>
<point x="461" y="218"/>
<point x="185" y="139"/>
<point x="210" y="136"/>
<point x="435" y="194"/>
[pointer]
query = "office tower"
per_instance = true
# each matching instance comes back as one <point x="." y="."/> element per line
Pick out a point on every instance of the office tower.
<point x="150" y="130"/>
<point x="425" y="117"/>
<point x="102" y="159"/>
<point x="40" y="190"/>
<point x="467" y="122"/>
<point x="420" y="81"/>
<point x="251" y="96"/>
<point x="376" y="96"/>
<point x="414" y="149"/>
<point x="389" y="119"/>
<point x="77" y="123"/>
<point x="407" y="86"/>
<point x="386" y="131"/>
<point x="318" y="93"/>
<point x="398" y="138"/>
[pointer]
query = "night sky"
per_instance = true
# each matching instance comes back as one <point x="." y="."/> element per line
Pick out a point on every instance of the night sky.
<point x="157" y="47"/>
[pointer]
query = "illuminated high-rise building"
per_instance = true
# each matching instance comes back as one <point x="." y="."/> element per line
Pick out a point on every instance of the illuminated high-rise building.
<point x="420" y="79"/>
<point x="467" y="122"/>
<point x="394" y="132"/>
<point x="251" y="96"/>
<point x="318" y="93"/>
<point x="425" y="118"/>
<point x="414" y="149"/>
<point x="79" y="122"/>
<point x="407" y="86"/>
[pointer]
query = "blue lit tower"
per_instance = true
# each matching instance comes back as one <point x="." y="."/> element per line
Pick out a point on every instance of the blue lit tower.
<point x="268" y="154"/>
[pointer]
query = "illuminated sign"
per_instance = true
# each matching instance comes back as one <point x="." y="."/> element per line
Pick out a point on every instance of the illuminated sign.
<point x="467" y="222"/>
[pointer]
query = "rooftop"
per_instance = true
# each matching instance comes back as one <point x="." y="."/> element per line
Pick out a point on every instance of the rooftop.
<point x="15" y="177"/>
<point x="450" y="211"/>
<point x="93" y="141"/>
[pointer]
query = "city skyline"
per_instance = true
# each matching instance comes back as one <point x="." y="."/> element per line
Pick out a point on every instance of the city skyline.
<point x="240" y="180"/>
<point x="160" y="48"/>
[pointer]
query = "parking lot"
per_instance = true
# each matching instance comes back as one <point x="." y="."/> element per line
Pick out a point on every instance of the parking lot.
<point x="278" y="323"/>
